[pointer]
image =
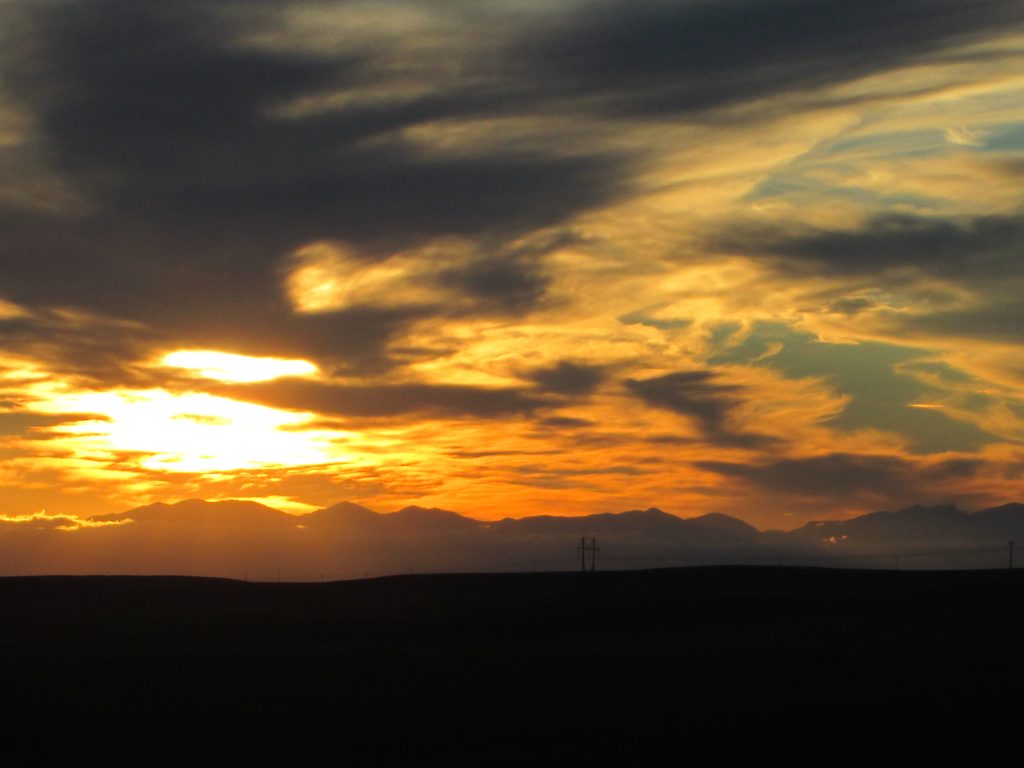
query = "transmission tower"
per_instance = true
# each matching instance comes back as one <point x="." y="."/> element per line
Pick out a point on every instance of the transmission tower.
<point x="586" y="548"/>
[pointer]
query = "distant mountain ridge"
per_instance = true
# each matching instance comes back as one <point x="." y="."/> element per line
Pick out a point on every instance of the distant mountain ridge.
<point x="202" y="512"/>
<point x="237" y="538"/>
<point x="942" y="525"/>
<point x="916" y="525"/>
<point x="346" y="514"/>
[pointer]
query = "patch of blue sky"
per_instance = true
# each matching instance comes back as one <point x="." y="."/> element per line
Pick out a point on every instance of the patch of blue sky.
<point x="881" y="391"/>
<point x="1005" y="138"/>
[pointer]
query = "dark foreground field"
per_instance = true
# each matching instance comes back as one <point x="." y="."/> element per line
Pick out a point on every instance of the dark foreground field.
<point x="692" y="666"/>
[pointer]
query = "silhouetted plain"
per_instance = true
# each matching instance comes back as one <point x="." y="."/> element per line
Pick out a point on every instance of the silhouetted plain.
<point x="682" y="666"/>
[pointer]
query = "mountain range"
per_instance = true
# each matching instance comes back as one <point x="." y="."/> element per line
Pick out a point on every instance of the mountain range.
<point x="245" y="538"/>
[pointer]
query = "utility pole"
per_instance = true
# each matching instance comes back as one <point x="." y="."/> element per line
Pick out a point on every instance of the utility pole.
<point x="582" y="549"/>
<point x="594" y="549"/>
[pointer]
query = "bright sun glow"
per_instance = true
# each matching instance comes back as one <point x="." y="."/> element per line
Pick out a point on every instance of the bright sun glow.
<point x="190" y="432"/>
<point x="223" y="366"/>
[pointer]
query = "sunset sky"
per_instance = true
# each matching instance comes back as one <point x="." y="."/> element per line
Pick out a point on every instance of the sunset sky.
<point x="758" y="257"/>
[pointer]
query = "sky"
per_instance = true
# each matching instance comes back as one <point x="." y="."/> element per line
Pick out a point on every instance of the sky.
<point x="756" y="257"/>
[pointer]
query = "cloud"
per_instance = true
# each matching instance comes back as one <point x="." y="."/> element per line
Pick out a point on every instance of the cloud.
<point x="15" y="422"/>
<point x="657" y="58"/>
<point x="567" y="378"/>
<point x="44" y="520"/>
<point x="956" y="247"/>
<point x="205" y="157"/>
<point x="389" y="400"/>
<point x="851" y="305"/>
<point x="447" y="276"/>
<point x="177" y="125"/>
<point x="993" y="318"/>
<point x="697" y="395"/>
<point x="929" y="280"/>
<point x="851" y="478"/>
<point x="170" y="123"/>
<point x="78" y="345"/>
<point x="565" y="422"/>
<point x="469" y="214"/>
<point x="848" y="476"/>
<point x="510" y="282"/>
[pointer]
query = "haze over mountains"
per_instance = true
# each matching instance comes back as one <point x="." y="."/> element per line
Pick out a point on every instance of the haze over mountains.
<point x="245" y="539"/>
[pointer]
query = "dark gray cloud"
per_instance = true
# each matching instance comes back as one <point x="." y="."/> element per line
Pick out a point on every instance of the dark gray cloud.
<point x="658" y="56"/>
<point x="981" y="254"/>
<point x="699" y="396"/>
<point x="506" y="278"/>
<point x="194" y="191"/>
<point x="89" y="349"/>
<point x="996" y="318"/>
<point x="165" y="118"/>
<point x="852" y="305"/>
<point x="388" y="400"/>
<point x="566" y="422"/>
<point x="849" y="477"/>
<point x="953" y="247"/>
<point x="567" y="378"/>
<point x="506" y="282"/>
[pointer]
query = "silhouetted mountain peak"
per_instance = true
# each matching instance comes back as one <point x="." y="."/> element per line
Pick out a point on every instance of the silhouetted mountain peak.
<point x="149" y="510"/>
<point x="349" y="509"/>
<point x="345" y="514"/>
<point x="649" y="516"/>
<point x="716" y="521"/>
<point x="416" y="511"/>
<point x="203" y="506"/>
<point x="199" y="511"/>
<point x="653" y="513"/>
<point x="938" y="511"/>
<point x="412" y="519"/>
<point x="1013" y="509"/>
<point x="1004" y="522"/>
<point x="433" y="518"/>
<point x="639" y="527"/>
